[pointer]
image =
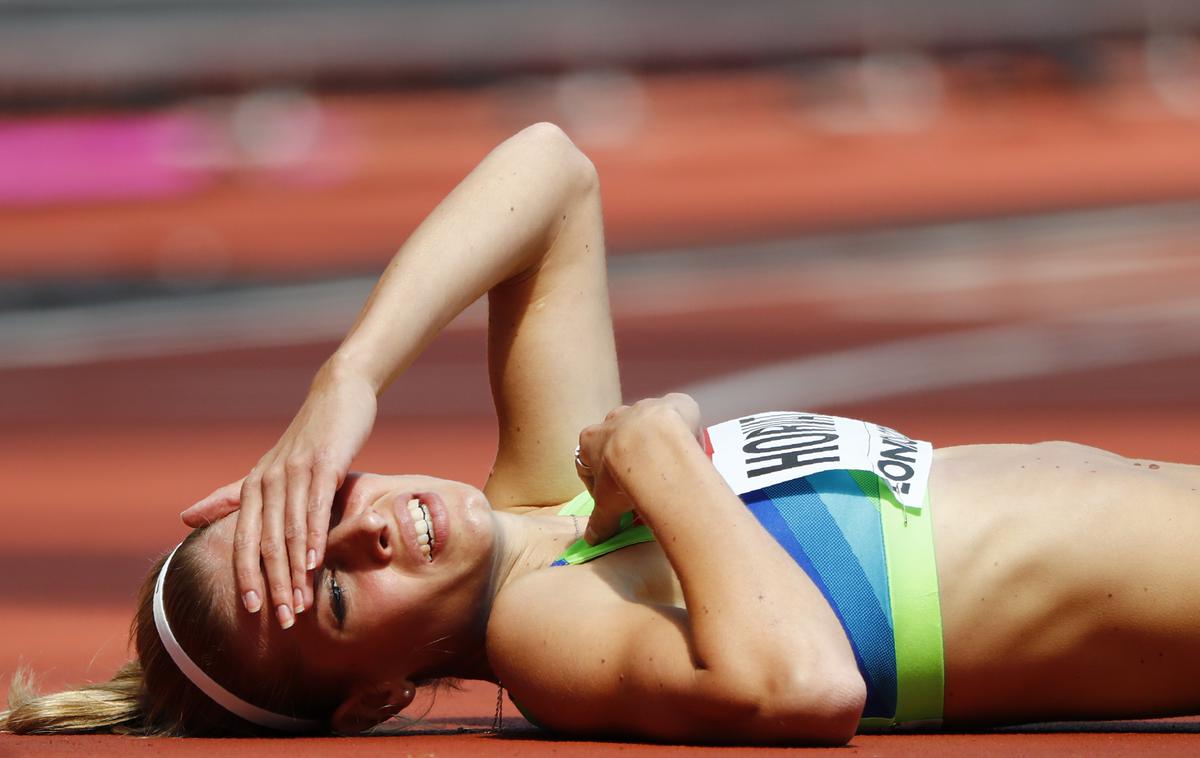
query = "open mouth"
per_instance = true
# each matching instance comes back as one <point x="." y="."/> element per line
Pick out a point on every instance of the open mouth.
<point x="423" y="523"/>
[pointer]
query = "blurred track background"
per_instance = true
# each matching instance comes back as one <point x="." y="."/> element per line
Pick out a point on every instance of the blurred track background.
<point x="973" y="221"/>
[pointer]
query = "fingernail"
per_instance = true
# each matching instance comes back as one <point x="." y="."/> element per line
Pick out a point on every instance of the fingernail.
<point x="298" y="596"/>
<point x="251" y="601"/>
<point x="312" y="559"/>
<point x="286" y="619"/>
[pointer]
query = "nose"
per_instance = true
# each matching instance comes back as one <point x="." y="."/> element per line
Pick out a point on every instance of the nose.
<point x="360" y="541"/>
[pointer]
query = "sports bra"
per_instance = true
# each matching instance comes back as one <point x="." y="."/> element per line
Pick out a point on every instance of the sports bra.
<point x="849" y="502"/>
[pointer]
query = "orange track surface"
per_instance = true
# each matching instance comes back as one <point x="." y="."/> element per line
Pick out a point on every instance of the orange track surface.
<point x="91" y="495"/>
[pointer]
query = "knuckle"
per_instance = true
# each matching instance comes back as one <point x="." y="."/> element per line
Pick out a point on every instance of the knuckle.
<point x="293" y="532"/>
<point x="323" y="457"/>
<point x="270" y="548"/>
<point x="295" y="464"/>
<point x="243" y="541"/>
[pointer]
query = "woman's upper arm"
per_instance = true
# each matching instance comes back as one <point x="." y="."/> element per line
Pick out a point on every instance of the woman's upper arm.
<point x="581" y="659"/>
<point x="551" y="354"/>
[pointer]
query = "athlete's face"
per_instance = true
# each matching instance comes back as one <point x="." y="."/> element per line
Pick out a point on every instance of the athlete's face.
<point x="384" y="612"/>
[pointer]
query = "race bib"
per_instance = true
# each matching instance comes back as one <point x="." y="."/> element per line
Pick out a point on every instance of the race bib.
<point x="769" y="448"/>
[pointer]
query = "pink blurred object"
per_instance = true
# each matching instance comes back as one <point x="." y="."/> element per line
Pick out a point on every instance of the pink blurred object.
<point x="64" y="160"/>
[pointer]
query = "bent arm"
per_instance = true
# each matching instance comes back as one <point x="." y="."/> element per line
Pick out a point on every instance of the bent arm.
<point x="497" y="225"/>
<point x="757" y="656"/>
<point x="525" y="227"/>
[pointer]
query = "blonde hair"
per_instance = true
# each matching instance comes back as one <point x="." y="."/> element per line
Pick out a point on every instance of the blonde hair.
<point x="149" y="695"/>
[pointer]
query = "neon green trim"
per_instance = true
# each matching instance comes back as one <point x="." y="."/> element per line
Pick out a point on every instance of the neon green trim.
<point x="580" y="505"/>
<point x="916" y="605"/>
<point x="581" y="552"/>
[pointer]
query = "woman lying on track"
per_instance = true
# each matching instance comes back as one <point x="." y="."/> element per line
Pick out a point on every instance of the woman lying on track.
<point x="779" y="578"/>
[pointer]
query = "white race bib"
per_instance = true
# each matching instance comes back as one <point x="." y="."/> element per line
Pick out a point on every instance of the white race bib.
<point x="758" y="451"/>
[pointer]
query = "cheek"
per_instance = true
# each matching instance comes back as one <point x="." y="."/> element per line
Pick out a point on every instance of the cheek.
<point x="392" y="620"/>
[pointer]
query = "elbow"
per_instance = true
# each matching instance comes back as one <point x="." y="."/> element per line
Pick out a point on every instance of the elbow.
<point x="804" y="708"/>
<point x="552" y="145"/>
<point x="835" y="710"/>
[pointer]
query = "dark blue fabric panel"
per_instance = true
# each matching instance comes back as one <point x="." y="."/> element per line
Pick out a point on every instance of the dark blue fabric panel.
<point x="800" y="522"/>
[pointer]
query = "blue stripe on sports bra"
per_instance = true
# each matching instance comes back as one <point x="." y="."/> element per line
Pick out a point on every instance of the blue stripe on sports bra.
<point x="832" y="529"/>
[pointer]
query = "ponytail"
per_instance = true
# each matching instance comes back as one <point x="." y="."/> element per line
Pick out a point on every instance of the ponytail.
<point x="112" y="706"/>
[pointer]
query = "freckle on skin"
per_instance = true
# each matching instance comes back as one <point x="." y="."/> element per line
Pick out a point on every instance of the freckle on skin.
<point x="1155" y="466"/>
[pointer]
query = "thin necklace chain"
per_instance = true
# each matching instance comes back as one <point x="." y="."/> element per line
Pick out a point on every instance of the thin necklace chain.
<point x="498" y="719"/>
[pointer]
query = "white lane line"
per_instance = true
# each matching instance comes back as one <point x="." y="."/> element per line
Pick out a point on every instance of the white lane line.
<point x="923" y="262"/>
<point x="1108" y="338"/>
<point x="255" y="317"/>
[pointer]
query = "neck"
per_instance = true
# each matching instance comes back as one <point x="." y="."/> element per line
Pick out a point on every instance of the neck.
<point x="523" y="544"/>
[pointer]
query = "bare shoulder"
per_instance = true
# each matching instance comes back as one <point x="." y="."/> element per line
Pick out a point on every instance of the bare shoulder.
<point x="579" y="657"/>
<point x="552" y="638"/>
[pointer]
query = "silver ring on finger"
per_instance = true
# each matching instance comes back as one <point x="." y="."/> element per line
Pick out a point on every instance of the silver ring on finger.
<point x="579" y="461"/>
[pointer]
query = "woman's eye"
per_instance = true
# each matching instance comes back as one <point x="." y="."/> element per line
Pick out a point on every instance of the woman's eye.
<point x="337" y="601"/>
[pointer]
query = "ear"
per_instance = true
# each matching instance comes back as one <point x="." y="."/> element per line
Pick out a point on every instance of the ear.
<point x="371" y="704"/>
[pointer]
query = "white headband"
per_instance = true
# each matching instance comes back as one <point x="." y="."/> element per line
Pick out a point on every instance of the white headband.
<point x="207" y="685"/>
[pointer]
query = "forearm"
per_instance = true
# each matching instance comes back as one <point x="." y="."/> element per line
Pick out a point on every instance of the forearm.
<point x="495" y="226"/>
<point x="758" y="624"/>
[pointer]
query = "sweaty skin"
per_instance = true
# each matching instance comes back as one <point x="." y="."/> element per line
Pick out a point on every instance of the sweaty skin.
<point x="1068" y="582"/>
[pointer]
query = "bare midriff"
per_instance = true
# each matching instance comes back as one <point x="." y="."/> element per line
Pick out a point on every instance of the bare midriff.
<point x="1068" y="581"/>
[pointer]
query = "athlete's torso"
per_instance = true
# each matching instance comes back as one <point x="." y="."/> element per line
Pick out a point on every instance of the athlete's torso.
<point x="1069" y="579"/>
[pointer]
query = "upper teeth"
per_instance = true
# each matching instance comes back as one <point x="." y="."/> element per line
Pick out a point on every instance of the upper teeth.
<point x="424" y="525"/>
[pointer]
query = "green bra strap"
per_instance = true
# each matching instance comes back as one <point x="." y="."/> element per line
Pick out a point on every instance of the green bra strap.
<point x="580" y="505"/>
<point x="582" y="552"/>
